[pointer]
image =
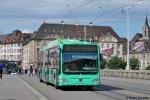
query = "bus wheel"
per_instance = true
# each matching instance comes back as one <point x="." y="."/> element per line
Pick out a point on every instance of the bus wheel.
<point x="46" y="80"/>
<point x="41" y="80"/>
<point x="55" y="85"/>
<point x="47" y="83"/>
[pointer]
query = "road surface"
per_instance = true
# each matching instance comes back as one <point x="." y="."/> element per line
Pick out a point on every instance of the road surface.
<point x="110" y="89"/>
<point x="11" y="88"/>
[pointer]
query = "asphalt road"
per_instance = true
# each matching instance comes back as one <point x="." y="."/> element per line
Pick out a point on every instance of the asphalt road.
<point x="110" y="89"/>
<point x="11" y="88"/>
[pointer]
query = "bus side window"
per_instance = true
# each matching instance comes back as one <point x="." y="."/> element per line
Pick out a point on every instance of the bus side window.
<point x="101" y="57"/>
<point x="49" y="63"/>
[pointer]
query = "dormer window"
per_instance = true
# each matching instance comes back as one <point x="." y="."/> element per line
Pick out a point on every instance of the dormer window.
<point x="44" y="30"/>
<point x="53" y="30"/>
<point x="61" y="31"/>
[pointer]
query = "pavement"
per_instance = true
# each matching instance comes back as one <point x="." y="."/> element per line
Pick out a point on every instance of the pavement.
<point x="23" y="87"/>
<point x="13" y="88"/>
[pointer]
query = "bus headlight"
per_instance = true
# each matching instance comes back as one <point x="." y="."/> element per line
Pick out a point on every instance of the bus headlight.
<point x="63" y="80"/>
<point x="95" y="81"/>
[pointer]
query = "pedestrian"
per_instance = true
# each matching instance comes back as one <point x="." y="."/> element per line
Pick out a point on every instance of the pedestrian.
<point x="1" y="69"/>
<point x="26" y="70"/>
<point x="1" y="73"/>
<point x="31" y="70"/>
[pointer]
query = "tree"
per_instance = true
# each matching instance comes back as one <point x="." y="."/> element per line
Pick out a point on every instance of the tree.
<point x="116" y="63"/>
<point x="148" y="67"/>
<point x="134" y="63"/>
<point x="103" y="64"/>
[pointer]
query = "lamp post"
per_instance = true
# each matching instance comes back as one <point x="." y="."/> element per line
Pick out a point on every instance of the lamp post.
<point x="128" y="32"/>
<point x="85" y="32"/>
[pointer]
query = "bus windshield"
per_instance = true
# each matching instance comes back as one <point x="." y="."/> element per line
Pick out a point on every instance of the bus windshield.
<point x="80" y="62"/>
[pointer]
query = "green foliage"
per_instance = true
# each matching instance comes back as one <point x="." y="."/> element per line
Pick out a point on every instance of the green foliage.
<point x="116" y="63"/>
<point x="134" y="63"/>
<point x="148" y="67"/>
<point x="103" y="64"/>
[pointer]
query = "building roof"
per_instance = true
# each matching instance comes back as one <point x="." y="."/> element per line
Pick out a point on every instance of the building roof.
<point x="26" y="37"/>
<point x="17" y="37"/>
<point x="14" y="37"/>
<point x="137" y="37"/>
<point x="74" y="30"/>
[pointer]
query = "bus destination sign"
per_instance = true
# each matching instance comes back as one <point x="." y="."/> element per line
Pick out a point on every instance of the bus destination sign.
<point x="80" y="48"/>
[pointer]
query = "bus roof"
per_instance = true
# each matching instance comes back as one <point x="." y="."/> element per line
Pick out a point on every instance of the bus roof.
<point x="65" y="41"/>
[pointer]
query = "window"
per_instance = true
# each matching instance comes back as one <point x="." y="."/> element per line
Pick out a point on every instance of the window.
<point x="118" y="52"/>
<point x="113" y="45"/>
<point x="38" y="43"/>
<point x="77" y="62"/>
<point x="107" y="45"/>
<point x="53" y="30"/>
<point x="118" y="45"/>
<point x="18" y="57"/>
<point x="18" y="50"/>
<point x="79" y="38"/>
<point x="53" y="57"/>
<point x="102" y="45"/>
<point x="45" y="43"/>
<point x="108" y="38"/>
<point x="61" y="31"/>
<point x="46" y="57"/>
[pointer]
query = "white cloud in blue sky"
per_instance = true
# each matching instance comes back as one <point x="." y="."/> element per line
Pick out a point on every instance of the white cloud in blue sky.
<point x="29" y="14"/>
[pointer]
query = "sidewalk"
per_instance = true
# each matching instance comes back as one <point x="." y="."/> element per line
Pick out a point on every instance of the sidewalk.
<point x="11" y="88"/>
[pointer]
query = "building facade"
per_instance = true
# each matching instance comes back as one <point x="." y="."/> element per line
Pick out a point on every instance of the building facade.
<point x="30" y="54"/>
<point x="11" y="52"/>
<point x="103" y="35"/>
<point x="11" y="49"/>
<point x="140" y="46"/>
<point x="109" y="41"/>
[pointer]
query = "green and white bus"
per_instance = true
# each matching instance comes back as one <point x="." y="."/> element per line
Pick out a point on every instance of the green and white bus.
<point x="70" y="63"/>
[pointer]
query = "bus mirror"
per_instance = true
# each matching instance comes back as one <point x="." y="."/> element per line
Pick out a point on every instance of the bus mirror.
<point x="101" y="57"/>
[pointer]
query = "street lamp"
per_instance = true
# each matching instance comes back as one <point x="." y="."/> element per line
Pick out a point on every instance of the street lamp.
<point x="85" y="32"/>
<point x="128" y="32"/>
<point x="128" y="47"/>
<point x="62" y="22"/>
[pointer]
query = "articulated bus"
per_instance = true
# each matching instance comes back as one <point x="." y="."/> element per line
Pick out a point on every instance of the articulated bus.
<point x="70" y="63"/>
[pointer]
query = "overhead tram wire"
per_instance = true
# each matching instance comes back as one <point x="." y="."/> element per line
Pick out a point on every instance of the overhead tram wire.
<point x="118" y="8"/>
<point x="67" y="5"/>
<point x="46" y="2"/>
<point x="76" y="8"/>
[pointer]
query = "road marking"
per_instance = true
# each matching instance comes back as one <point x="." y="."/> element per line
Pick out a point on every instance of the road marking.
<point x="34" y="91"/>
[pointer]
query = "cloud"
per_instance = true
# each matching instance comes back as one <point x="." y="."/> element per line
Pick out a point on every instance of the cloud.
<point x="30" y="13"/>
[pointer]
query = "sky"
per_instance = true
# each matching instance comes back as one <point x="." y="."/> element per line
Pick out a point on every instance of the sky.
<point x="28" y="15"/>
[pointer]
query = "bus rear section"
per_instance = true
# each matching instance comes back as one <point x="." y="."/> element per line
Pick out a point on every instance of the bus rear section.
<point x="80" y="66"/>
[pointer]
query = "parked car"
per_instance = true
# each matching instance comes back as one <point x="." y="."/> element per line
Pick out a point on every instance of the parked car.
<point x="13" y="73"/>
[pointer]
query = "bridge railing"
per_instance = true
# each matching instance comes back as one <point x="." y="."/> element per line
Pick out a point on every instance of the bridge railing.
<point x="135" y="74"/>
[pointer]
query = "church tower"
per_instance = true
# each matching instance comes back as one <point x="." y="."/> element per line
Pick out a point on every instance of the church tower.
<point x="146" y="30"/>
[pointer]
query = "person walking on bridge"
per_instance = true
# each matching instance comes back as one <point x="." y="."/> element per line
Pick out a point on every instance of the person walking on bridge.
<point x="31" y="70"/>
<point x="1" y="70"/>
